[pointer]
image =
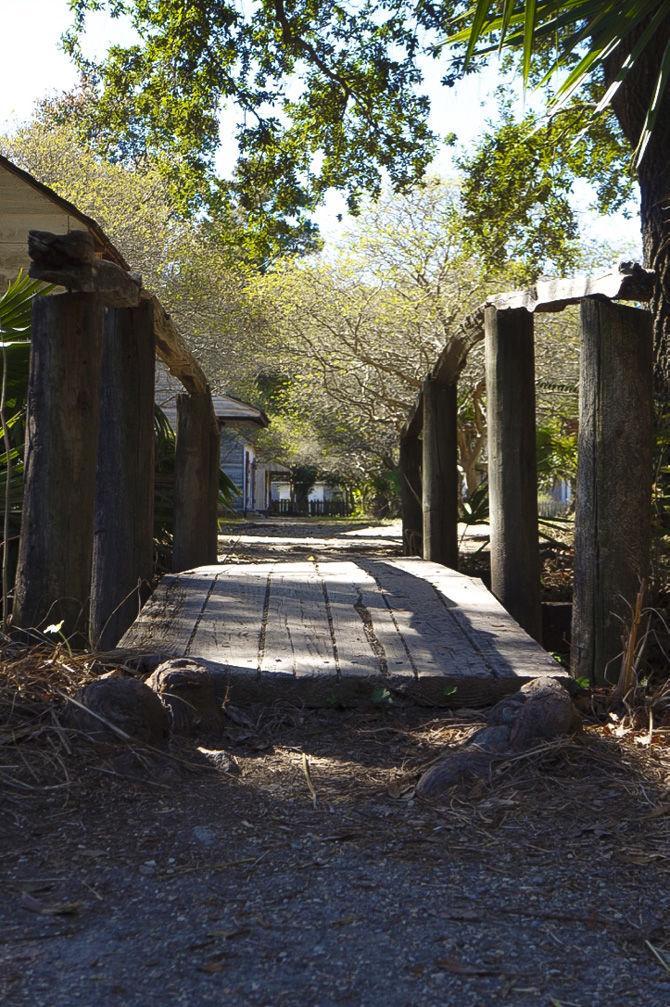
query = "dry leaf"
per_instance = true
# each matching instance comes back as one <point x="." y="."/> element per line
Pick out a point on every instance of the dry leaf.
<point x="212" y="967"/>
<point x="229" y="934"/>
<point x="50" y="909"/>
<point x="459" y="968"/>
<point x="660" y="809"/>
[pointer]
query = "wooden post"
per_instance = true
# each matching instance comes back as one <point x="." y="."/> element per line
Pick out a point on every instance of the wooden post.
<point x="510" y="383"/>
<point x="196" y="483"/>
<point x="439" y="477"/>
<point x="123" y="537"/>
<point x="53" y="578"/>
<point x="613" y="505"/>
<point x="410" y="493"/>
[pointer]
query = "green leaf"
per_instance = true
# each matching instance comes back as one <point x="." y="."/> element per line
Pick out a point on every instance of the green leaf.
<point x="528" y="38"/>
<point x="652" y="113"/>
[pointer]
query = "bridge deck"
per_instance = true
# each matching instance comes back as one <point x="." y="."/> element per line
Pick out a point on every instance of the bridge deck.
<point x="328" y="632"/>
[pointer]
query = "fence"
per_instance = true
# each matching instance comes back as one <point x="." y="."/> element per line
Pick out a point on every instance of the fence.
<point x="315" y="508"/>
<point x="613" y="492"/>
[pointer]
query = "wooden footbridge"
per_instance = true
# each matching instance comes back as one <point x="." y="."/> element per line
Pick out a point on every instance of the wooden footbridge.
<point x="336" y="632"/>
<point x="411" y="625"/>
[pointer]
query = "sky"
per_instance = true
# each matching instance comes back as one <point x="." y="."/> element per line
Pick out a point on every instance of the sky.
<point x="33" y="65"/>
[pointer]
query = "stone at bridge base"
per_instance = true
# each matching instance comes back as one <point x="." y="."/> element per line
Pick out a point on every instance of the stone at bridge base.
<point x="541" y="711"/>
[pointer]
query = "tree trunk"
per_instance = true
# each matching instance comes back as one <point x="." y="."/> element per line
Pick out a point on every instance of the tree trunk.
<point x="630" y="105"/>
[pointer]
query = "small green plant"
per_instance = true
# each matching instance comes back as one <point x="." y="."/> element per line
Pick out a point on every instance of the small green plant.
<point x="381" y="696"/>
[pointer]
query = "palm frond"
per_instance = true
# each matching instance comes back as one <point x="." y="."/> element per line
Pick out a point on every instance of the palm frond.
<point x="16" y="306"/>
<point x="592" y="28"/>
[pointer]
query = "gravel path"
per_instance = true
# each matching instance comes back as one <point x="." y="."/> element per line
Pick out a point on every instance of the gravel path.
<point x="209" y="887"/>
<point x="289" y="864"/>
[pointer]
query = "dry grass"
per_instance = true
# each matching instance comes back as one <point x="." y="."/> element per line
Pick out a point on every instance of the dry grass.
<point x="348" y="759"/>
<point x="358" y="760"/>
<point x="35" y="746"/>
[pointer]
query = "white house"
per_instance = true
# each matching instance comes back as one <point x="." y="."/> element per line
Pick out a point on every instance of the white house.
<point x="237" y="421"/>
<point x="25" y="205"/>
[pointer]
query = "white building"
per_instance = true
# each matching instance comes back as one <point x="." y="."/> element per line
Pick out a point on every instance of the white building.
<point x="237" y="422"/>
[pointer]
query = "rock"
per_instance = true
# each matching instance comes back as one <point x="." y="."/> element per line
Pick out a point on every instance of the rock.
<point x="186" y="688"/>
<point x="205" y="836"/>
<point x="546" y="711"/>
<point x="467" y="764"/>
<point x="540" y="711"/>
<point x="124" y="703"/>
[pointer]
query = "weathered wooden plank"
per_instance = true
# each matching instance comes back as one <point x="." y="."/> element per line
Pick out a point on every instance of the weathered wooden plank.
<point x="336" y="632"/>
<point x="196" y="483"/>
<point x="169" y="621"/>
<point x="410" y="493"/>
<point x="630" y="282"/>
<point x="173" y="351"/>
<point x="231" y="630"/>
<point x="505" y="649"/>
<point x="123" y="536"/>
<point x="439" y="473"/>
<point x="366" y="638"/>
<point x="434" y="643"/>
<point x="53" y="578"/>
<point x="510" y="389"/>
<point x="613" y="509"/>
<point x="298" y="639"/>
<point x="106" y="280"/>
<point x="70" y="260"/>
<point x="453" y="357"/>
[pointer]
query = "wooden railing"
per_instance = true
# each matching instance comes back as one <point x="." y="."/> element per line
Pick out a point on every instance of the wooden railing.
<point x="613" y="492"/>
<point x="86" y="543"/>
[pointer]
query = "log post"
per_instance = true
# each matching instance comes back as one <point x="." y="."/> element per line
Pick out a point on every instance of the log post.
<point x="53" y="579"/>
<point x="440" y="473"/>
<point x="123" y="536"/>
<point x="614" y="479"/>
<point x="510" y="383"/>
<point x="410" y="493"/>
<point x="196" y="483"/>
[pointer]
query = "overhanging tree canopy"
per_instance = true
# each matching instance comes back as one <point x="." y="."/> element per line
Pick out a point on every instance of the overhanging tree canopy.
<point x="329" y="95"/>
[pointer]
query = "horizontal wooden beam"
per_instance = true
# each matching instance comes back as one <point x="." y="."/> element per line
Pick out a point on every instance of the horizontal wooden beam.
<point x="453" y="357"/>
<point x="173" y="351"/>
<point x="70" y="260"/>
<point x="413" y="426"/>
<point x="630" y="282"/>
<point x="114" y="286"/>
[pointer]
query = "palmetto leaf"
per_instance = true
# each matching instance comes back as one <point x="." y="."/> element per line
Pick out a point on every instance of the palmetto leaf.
<point x="652" y="112"/>
<point x="16" y="306"/>
<point x="592" y="28"/>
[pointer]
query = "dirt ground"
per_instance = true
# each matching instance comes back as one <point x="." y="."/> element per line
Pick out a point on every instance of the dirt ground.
<point x="287" y="862"/>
